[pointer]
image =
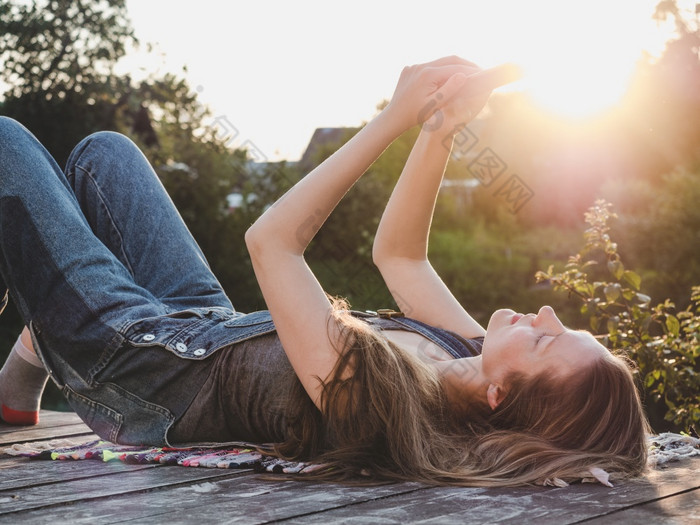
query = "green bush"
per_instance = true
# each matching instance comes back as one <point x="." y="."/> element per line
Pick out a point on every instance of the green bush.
<point x="658" y="230"/>
<point x="664" y="343"/>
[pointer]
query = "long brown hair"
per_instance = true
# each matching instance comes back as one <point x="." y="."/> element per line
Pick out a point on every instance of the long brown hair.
<point x="386" y="418"/>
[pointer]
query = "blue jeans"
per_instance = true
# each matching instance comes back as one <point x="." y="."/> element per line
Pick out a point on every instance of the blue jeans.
<point x="121" y="303"/>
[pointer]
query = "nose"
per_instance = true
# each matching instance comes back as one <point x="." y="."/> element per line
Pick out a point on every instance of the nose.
<point x="546" y="311"/>
<point x="547" y="317"/>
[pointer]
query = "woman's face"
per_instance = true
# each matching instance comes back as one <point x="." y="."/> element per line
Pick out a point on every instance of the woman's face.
<point x="531" y="344"/>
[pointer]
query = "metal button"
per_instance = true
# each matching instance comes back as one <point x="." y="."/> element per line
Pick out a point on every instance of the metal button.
<point x="149" y="337"/>
<point x="200" y="351"/>
<point x="181" y="347"/>
<point x="388" y="313"/>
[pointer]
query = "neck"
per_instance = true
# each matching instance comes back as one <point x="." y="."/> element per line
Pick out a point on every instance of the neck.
<point x="465" y="384"/>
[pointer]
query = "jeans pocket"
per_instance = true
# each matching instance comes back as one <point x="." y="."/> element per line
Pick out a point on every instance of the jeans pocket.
<point x="104" y="421"/>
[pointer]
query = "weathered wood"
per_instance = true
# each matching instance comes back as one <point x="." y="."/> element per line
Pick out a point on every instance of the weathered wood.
<point x="246" y="499"/>
<point x="48" y="419"/>
<point x="44" y="434"/>
<point x="514" y="505"/>
<point x="52" y="425"/>
<point x="17" y="473"/>
<point x="680" y="509"/>
<point x="255" y="499"/>
<point x="91" y="491"/>
<point x="85" y="490"/>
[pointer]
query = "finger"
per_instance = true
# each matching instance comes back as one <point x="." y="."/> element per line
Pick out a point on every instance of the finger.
<point x="489" y="79"/>
<point x="437" y="76"/>
<point x="452" y="86"/>
<point x="452" y="60"/>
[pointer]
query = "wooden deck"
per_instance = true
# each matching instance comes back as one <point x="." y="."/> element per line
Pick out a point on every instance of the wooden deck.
<point x="95" y="492"/>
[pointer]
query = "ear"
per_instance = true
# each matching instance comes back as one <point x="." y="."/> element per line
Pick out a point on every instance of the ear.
<point x="494" y="395"/>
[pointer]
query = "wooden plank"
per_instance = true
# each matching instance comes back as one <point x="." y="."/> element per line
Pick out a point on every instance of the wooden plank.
<point x="17" y="473"/>
<point x="47" y="419"/>
<point x="52" y="425"/>
<point x="89" y="491"/>
<point x="85" y="490"/>
<point x="258" y="499"/>
<point x="680" y="509"/>
<point x="514" y="505"/>
<point x="45" y="434"/>
<point x="247" y="499"/>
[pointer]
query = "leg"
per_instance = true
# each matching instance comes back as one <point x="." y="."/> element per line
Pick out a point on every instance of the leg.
<point x="78" y="297"/>
<point x="62" y="278"/>
<point x="128" y="209"/>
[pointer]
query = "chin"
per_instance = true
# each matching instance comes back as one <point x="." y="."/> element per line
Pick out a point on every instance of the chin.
<point x="499" y="317"/>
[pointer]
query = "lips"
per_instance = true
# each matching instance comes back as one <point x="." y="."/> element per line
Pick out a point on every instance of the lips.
<point x="516" y="318"/>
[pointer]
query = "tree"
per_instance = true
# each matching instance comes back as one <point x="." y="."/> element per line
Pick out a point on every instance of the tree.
<point x="58" y="58"/>
<point x="59" y="47"/>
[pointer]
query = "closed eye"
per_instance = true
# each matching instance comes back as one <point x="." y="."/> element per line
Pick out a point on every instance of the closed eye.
<point x="538" y="339"/>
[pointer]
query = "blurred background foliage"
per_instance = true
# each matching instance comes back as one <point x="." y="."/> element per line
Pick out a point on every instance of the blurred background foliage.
<point x="58" y="65"/>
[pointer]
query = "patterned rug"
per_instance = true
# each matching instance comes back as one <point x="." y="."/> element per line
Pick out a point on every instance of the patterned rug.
<point x="663" y="448"/>
<point x="225" y="457"/>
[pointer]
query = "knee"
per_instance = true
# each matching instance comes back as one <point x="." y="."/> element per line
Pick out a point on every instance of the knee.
<point x="109" y="138"/>
<point x="103" y="145"/>
<point x="9" y="125"/>
<point x="11" y="131"/>
<point x="105" y="140"/>
<point x="19" y="150"/>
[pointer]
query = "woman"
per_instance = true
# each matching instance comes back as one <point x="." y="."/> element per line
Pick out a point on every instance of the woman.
<point x="133" y="327"/>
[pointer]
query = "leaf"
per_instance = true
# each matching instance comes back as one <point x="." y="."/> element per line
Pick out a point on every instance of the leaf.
<point x="633" y="278"/>
<point x="616" y="268"/>
<point x="672" y="325"/>
<point x="612" y="292"/>
<point x="643" y="299"/>
<point x="629" y="294"/>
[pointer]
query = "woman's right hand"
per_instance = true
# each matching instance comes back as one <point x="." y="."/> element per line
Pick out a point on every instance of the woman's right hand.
<point x="470" y="99"/>
<point x="459" y="86"/>
<point x="425" y="88"/>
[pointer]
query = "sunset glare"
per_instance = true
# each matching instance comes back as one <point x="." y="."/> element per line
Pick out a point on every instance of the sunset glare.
<point x="278" y="70"/>
<point x="580" y="60"/>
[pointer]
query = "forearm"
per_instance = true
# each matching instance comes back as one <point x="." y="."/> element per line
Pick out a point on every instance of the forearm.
<point x="405" y="225"/>
<point x="293" y="221"/>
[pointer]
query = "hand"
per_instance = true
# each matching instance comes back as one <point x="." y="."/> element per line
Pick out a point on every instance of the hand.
<point x="470" y="98"/>
<point x="424" y="88"/>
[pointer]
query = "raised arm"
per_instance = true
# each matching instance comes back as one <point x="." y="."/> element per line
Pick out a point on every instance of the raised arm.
<point x="400" y="248"/>
<point x="278" y="239"/>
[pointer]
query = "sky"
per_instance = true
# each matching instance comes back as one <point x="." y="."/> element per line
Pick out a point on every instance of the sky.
<point x="276" y="70"/>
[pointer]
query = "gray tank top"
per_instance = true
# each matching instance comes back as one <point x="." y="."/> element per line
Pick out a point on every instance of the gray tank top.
<point x="245" y="396"/>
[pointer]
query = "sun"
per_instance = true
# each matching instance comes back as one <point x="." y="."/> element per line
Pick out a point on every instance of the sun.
<point x="578" y="62"/>
<point x="572" y="88"/>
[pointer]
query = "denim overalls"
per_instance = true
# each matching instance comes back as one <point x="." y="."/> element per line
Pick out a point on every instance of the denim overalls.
<point x="121" y="303"/>
<point x="108" y="278"/>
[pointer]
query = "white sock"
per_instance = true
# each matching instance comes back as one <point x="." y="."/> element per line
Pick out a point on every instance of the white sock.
<point x="25" y="353"/>
<point x="22" y="381"/>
